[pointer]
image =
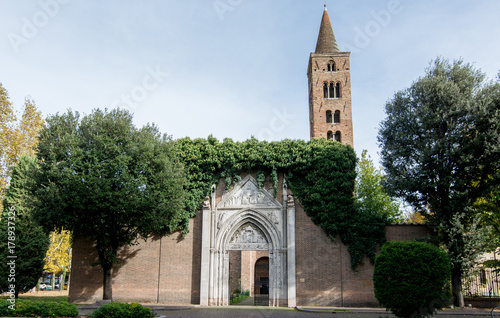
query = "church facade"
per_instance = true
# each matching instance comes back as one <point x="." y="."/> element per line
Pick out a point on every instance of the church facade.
<point x="246" y="239"/>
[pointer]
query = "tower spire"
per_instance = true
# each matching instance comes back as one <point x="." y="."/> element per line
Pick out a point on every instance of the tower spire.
<point x="326" y="39"/>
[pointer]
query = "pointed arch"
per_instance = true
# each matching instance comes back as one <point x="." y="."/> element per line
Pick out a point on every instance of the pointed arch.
<point x="259" y="220"/>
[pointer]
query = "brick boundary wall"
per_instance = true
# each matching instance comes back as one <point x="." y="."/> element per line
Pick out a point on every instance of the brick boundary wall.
<point x="167" y="270"/>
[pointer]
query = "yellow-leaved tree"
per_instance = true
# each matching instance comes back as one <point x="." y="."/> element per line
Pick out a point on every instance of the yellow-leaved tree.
<point x="17" y="137"/>
<point x="58" y="258"/>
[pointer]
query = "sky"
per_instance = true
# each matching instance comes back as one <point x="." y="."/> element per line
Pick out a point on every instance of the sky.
<point x="231" y="68"/>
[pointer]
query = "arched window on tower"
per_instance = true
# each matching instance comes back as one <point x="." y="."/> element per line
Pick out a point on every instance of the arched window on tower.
<point x="331" y="66"/>
<point x="329" y="135"/>
<point x="336" y="117"/>
<point x="328" y="116"/>
<point x="331" y="91"/>
<point x="338" y="136"/>
<point x="337" y="90"/>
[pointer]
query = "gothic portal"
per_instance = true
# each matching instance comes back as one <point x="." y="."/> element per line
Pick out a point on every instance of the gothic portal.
<point x="248" y="219"/>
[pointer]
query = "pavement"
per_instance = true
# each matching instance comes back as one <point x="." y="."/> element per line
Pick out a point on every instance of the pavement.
<point x="242" y="310"/>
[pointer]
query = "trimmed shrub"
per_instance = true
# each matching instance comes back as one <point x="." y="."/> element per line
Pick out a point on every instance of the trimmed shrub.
<point x="122" y="310"/>
<point x="412" y="278"/>
<point x="28" y="308"/>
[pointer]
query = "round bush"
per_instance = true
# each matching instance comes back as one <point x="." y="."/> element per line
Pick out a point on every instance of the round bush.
<point x="412" y="278"/>
<point x="122" y="310"/>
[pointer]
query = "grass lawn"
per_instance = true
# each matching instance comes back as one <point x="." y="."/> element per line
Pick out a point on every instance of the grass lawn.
<point x="56" y="296"/>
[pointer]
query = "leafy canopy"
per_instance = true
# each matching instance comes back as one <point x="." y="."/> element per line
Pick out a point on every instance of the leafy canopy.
<point x="370" y="194"/>
<point x="441" y="150"/>
<point x="17" y="226"/>
<point x="58" y="257"/>
<point x="104" y="179"/>
<point x="17" y="137"/>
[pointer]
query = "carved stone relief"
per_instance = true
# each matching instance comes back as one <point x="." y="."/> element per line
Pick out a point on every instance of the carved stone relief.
<point x="247" y="194"/>
<point x="248" y="237"/>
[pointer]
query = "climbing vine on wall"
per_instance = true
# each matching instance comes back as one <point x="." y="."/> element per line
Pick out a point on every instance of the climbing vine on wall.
<point x="320" y="173"/>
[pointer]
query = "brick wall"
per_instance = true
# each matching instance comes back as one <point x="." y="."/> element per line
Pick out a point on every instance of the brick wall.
<point x="176" y="265"/>
<point x="167" y="270"/>
<point x="235" y="265"/>
<point x="318" y="105"/>
<point x="324" y="275"/>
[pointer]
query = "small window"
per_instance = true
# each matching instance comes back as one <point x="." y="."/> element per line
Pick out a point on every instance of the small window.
<point x="325" y="90"/>
<point x="329" y="116"/>
<point x="337" y="90"/>
<point x="336" y="117"/>
<point x="331" y="66"/>
<point x="338" y="136"/>
<point x="332" y="91"/>
<point x="329" y="135"/>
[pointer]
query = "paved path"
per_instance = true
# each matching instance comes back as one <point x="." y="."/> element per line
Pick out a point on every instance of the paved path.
<point x="236" y="311"/>
<point x="246" y="302"/>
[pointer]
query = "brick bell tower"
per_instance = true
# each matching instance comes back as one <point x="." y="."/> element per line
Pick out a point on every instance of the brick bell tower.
<point x="330" y="109"/>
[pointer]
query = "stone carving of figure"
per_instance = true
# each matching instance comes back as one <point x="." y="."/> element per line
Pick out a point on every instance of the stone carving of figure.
<point x="244" y="199"/>
<point x="206" y="202"/>
<point x="250" y="236"/>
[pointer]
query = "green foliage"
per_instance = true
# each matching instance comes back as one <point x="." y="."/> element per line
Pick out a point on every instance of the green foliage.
<point x="18" y="135"/>
<point x="441" y="150"/>
<point x="370" y="195"/>
<point x="320" y="173"/>
<point x="28" y="308"/>
<point x="411" y="278"/>
<point x="102" y="178"/>
<point x="489" y="208"/>
<point x="122" y="310"/>
<point x="238" y="299"/>
<point x="20" y="236"/>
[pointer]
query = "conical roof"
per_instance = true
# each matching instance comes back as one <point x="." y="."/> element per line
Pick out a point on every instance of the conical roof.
<point x="326" y="39"/>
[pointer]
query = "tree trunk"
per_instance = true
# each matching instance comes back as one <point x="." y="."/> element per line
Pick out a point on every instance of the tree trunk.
<point x="53" y="281"/>
<point x="456" y="286"/>
<point x="106" y="282"/>
<point x="61" y="284"/>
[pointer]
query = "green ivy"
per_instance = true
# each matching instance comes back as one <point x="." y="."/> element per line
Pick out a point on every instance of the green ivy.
<point x="320" y="173"/>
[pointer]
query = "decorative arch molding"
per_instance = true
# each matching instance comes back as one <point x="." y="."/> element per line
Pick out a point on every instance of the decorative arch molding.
<point x="261" y="222"/>
<point x="248" y="218"/>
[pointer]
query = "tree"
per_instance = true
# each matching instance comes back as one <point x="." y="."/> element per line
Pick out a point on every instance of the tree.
<point x="23" y="243"/>
<point x="16" y="138"/>
<point x="102" y="178"/>
<point x="441" y="150"/>
<point x="370" y="195"/>
<point x="412" y="278"/>
<point x="489" y="209"/>
<point x="58" y="258"/>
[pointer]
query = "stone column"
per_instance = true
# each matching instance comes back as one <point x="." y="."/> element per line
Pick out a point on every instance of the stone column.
<point x="205" y="253"/>
<point x="292" y="301"/>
